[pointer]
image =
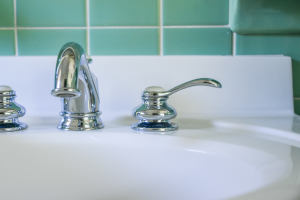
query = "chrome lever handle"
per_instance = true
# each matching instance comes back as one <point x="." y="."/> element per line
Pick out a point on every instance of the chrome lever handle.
<point x="155" y="91"/>
<point x="196" y="82"/>
<point x="154" y="114"/>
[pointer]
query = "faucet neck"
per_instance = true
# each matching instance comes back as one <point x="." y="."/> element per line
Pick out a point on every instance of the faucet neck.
<point x="75" y="83"/>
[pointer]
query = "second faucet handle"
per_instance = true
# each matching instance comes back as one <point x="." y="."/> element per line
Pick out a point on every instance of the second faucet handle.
<point x="154" y="114"/>
<point x="10" y="111"/>
<point x="160" y="92"/>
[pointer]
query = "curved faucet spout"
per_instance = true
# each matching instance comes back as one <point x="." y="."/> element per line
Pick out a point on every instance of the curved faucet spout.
<point x="76" y="85"/>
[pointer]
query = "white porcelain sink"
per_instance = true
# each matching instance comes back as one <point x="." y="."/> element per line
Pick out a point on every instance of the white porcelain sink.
<point x="212" y="162"/>
<point x="208" y="158"/>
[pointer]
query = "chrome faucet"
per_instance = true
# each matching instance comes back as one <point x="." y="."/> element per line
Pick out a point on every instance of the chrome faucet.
<point x="77" y="87"/>
<point x="154" y="114"/>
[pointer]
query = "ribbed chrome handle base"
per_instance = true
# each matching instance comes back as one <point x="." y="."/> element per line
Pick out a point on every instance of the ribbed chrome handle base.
<point x="10" y="111"/>
<point x="154" y="126"/>
<point x="12" y="125"/>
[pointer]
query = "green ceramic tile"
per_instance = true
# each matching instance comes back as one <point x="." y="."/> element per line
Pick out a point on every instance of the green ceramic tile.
<point x="48" y="42"/>
<point x="7" y="43"/>
<point x="6" y="13"/>
<point x="288" y="45"/>
<point x="51" y="13"/>
<point x="296" y="75"/>
<point x="122" y="13"/>
<point x="124" y="42"/>
<point x="264" y="16"/>
<point x="195" y="12"/>
<point x="297" y="106"/>
<point x="205" y="41"/>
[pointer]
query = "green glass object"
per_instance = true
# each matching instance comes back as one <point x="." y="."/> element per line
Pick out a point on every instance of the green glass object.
<point x="265" y="16"/>
<point x="297" y="106"/>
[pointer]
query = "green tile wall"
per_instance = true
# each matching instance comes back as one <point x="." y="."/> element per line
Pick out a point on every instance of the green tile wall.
<point x="195" y="12"/>
<point x="195" y="41"/>
<point x="7" y="47"/>
<point x="38" y="13"/>
<point x="47" y="42"/>
<point x="123" y="13"/>
<point x="6" y="13"/>
<point x="297" y="105"/>
<point x="124" y="42"/>
<point x="118" y="27"/>
<point x="134" y="27"/>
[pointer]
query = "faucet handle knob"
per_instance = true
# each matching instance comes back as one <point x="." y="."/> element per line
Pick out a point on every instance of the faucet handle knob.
<point x="154" y="114"/>
<point x="4" y="88"/>
<point x="10" y="111"/>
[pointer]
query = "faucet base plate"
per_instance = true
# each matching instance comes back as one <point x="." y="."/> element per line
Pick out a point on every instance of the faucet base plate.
<point x="11" y="125"/>
<point x="155" y="126"/>
<point x="80" y="122"/>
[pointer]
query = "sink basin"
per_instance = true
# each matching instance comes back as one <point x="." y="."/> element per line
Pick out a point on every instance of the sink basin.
<point x="210" y="157"/>
<point x="212" y="162"/>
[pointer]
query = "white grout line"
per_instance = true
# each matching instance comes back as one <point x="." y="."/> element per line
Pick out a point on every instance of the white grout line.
<point x="198" y="26"/>
<point x="7" y="28"/>
<point x="87" y="7"/>
<point x="50" y="28"/>
<point x="297" y="98"/>
<point x="161" y="31"/>
<point x="15" y="29"/>
<point x="234" y="44"/>
<point x="123" y="27"/>
<point x="110" y="27"/>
